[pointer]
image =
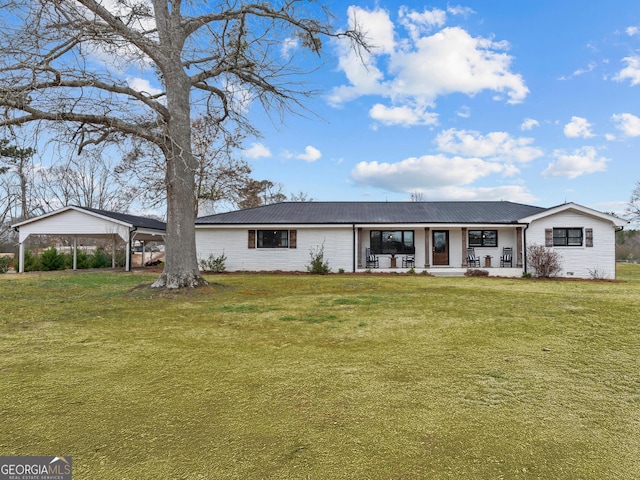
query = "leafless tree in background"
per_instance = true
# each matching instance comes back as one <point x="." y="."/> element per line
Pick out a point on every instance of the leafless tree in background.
<point x="70" y="62"/>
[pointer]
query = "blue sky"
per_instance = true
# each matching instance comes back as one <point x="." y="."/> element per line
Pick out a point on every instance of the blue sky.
<point x="527" y="101"/>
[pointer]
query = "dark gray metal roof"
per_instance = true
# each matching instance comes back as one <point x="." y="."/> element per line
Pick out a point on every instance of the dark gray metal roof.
<point x="133" y="220"/>
<point x="375" y="212"/>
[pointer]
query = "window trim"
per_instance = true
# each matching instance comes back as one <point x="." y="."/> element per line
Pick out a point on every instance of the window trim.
<point x="378" y="247"/>
<point x="483" y="238"/>
<point x="260" y="238"/>
<point x="567" y="237"/>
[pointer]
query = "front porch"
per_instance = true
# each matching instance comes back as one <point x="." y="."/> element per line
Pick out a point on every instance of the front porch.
<point x="447" y="271"/>
<point x="441" y="249"/>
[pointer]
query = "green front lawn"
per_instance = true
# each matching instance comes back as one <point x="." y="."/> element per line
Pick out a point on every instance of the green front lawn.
<point x="323" y="377"/>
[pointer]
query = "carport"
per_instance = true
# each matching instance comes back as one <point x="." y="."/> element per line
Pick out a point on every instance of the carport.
<point x="77" y="222"/>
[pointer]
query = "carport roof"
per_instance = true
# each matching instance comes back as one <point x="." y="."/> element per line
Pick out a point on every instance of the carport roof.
<point x="132" y="221"/>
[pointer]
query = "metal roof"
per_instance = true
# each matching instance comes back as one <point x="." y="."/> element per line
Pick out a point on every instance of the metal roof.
<point x="133" y="220"/>
<point x="375" y="213"/>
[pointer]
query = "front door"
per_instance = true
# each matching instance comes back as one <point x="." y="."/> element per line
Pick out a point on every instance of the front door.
<point x="440" y="247"/>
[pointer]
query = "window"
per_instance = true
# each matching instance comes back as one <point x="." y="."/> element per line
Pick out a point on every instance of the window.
<point x="392" y="241"/>
<point x="273" y="238"/>
<point x="483" y="238"/>
<point x="567" y="237"/>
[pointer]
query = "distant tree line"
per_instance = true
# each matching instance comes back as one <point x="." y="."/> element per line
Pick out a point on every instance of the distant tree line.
<point x="95" y="179"/>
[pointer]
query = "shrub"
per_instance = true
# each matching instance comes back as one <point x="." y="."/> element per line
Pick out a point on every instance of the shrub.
<point x="543" y="261"/>
<point x="318" y="264"/>
<point x="31" y="262"/>
<point x="100" y="259"/>
<point x="5" y="263"/>
<point x="213" y="264"/>
<point x="51" y="260"/>
<point x="476" y="272"/>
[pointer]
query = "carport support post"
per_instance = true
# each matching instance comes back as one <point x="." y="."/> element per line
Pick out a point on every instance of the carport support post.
<point x="21" y="257"/>
<point x="75" y="253"/>
<point x="113" y="253"/>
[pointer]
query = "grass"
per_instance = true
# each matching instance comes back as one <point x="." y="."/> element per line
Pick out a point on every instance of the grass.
<point x="323" y="377"/>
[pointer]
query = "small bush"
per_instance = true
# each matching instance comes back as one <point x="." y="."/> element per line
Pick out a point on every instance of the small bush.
<point x="100" y="259"/>
<point x="5" y="263"/>
<point x="318" y="264"/>
<point x="51" y="260"/>
<point x="476" y="272"/>
<point x="213" y="264"/>
<point x="543" y="261"/>
<point x="412" y="270"/>
<point x="31" y="262"/>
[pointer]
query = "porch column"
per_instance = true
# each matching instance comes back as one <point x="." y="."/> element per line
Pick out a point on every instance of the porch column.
<point x="359" y="247"/>
<point x="465" y="263"/>
<point x="519" y="252"/>
<point x="75" y="252"/>
<point x="142" y="264"/>
<point x="427" y="247"/>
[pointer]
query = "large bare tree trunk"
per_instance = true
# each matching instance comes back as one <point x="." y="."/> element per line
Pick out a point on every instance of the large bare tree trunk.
<point x="181" y="261"/>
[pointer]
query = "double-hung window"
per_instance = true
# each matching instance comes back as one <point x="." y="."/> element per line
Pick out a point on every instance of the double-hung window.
<point x="567" y="237"/>
<point x="392" y="241"/>
<point x="483" y="238"/>
<point x="273" y="238"/>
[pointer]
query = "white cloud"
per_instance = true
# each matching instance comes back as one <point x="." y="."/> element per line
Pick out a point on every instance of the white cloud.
<point x="419" y="69"/>
<point x="631" y="31"/>
<point x="528" y="124"/>
<point x="631" y="71"/>
<point x="288" y="45"/>
<point x="418" y="23"/>
<point x="627" y="123"/>
<point x="578" y="127"/>
<point x="143" y="86"/>
<point x="513" y="193"/>
<point x="459" y="10"/>
<point x="311" y="154"/>
<point x="574" y="164"/>
<point x="429" y="171"/>
<point x="495" y="145"/>
<point x="257" y="150"/>
<point x="405" y="116"/>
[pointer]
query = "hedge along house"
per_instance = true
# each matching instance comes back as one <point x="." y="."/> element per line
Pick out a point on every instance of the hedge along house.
<point x="281" y="237"/>
<point x="77" y="222"/>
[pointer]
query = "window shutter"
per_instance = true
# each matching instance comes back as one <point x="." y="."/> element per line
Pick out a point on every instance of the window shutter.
<point x="548" y="237"/>
<point x="293" y="239"/>
<point x="588" y="232"/>
<point x="252" y="239"/>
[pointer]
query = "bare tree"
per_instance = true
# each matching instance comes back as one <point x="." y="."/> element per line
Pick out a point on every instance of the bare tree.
<point x="17" y="161"/>
<point x="87" y="180"/>
<point x="219" y="178"/>
<point x="260" y="192"/>
<point x="633" y="208"/>
<point x="216" y="56"/>
<point x="417" y="196"/>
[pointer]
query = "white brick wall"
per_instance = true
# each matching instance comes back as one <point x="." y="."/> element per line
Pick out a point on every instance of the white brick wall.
<point x="233" y="242"/>
<point x="582" y="262"/>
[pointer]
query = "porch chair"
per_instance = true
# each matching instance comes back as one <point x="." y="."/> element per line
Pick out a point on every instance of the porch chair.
<point x="472" y="259"/>
<point x="507" y="257"/>
<point x="372" y="260"/>
<point x="409" y="261"/>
